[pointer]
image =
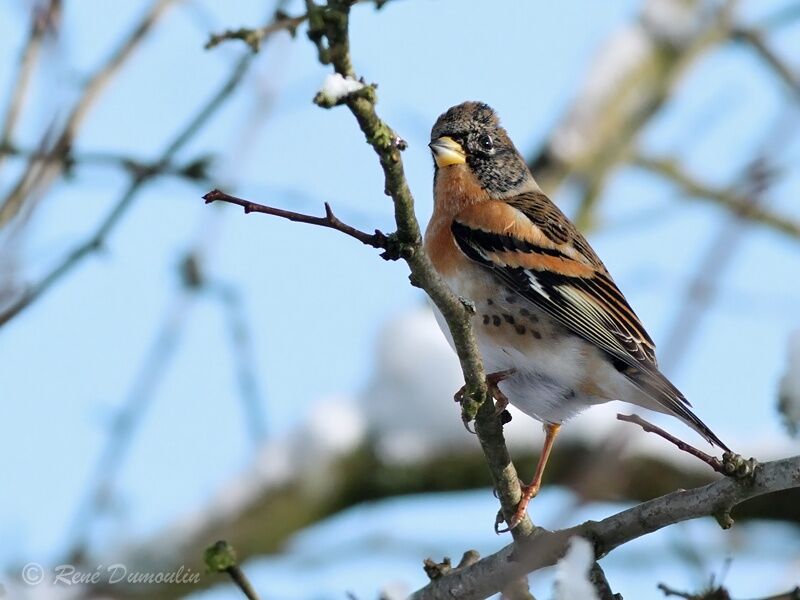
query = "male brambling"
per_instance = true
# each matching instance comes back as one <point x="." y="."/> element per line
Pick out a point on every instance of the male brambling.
<point x="554" y="331"/>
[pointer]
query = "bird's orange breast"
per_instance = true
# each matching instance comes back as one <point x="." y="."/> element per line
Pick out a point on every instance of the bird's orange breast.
<point x="455" y="188"/>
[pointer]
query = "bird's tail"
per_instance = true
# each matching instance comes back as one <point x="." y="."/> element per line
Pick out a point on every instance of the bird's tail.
<point x="668" y="399"/>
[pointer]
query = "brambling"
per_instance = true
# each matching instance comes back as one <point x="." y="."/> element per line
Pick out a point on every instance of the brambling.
<point x="555" y="333"/>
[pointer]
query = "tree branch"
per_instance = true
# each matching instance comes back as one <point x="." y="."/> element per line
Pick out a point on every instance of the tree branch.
<point x="255" y="37"/>
<point x="376" y="240"/>
<point x="731" y="464"/>
<point x="730" y="199"/>
<point x="545" y="548"/>
<point x="103" y="230"/>
<point x="756" y="41"/>
<point x="40" y="174"/>
<point x="43" y="19"/>
<point x="221" y="558"/>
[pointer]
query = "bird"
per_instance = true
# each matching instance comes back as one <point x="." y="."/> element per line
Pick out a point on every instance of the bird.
<point x="554" y="332"/>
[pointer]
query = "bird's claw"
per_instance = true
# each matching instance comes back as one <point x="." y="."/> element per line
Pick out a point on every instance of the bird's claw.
<point x="492" y="382"/>
<point x="466" y="421"/>
<point x="501" y="401"/>
<point x="528" y="493"/>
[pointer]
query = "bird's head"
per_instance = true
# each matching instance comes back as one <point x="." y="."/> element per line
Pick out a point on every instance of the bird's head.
<point x="469" y="136"/>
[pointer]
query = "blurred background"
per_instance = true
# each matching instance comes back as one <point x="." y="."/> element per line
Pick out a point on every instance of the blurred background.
<point x="173" y="373"/>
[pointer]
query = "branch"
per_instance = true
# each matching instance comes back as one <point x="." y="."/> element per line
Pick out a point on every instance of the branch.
<point x="43" y="20"/>
<point x="545" y="548"/>
<point x="331" y="221"/>
<point x="756" y="41"/>
<point x="720" y="593"/>
<point x="730" y="199"/>
<point x="42" y="173"/>
<point x="255" y="37"/>
<point x="221" y="558"/>
<point x="193" y="170"/>
<point x="731" y="464"/>
<point x="106" y="226"/>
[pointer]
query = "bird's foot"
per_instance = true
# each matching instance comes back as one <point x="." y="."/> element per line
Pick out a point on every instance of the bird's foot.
<point x="501" y="400"/>
<point x="493" y="382"/>
<point x="528" y="493"/>
<point x="737" y="466"/>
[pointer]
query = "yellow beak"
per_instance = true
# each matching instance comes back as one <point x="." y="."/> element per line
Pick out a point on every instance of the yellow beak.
<point x="447" y="151"/>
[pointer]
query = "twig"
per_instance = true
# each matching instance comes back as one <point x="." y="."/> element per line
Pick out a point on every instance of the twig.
<point x="106" y="226"/>
<point x="711" y="461"/>
<point x="221" y="558"/>
<point x="598" y="578"/>
<point x="720" y="593"/>
<point x="732" y="464"/>
<point x="331" y="221"/>
<point x="545" y="548"/>
<point x="243" y="360"/>
<point x="668" y="591"/>
<point x="194" y="170"/>
<point x="99" y="489"/>
<point x="741" y="206"/>
<point x="255" y="37"/>
<point x="756" y="41"/>
<point x="10" y="207"/>
<point x="42" y="19"/>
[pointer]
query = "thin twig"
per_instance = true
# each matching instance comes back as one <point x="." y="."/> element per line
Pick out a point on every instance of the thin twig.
<point x="221" y="558"/>
<point x="756" y="41"/>
<point x="331" y="221"/>
<point x="107" y="225"/>
<point x="255" y="37"/>
<point x="741" y="206"/>
<point x="195" y="169"/>
<point x="243" y="360"/>
<point x="711" y="461"/>
<point x="42" y="20"/>
<point x="720" y="593"/>
<point x="11" y="205"/>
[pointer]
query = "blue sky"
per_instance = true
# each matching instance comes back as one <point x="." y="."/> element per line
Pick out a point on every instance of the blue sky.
<point x="316" y="299"/>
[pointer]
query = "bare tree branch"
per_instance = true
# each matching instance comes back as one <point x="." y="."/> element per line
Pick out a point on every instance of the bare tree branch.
<point x="43" y="19"/>
<point x="221" y="558"/>
<point x="731" y="464"/>
<point x="41" y="174"/>
<point x="756" y="41"/>
<point x="720" y="593"/>
<point x="727" y="198"/>
<point x="107" y="225"/>
<point x="376" y="240"/>
<point x="544" y="548"/>
<point x="255" y="37"/>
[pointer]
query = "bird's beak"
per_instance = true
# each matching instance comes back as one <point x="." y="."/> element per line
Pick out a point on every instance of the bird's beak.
<point x="447" y="151"/>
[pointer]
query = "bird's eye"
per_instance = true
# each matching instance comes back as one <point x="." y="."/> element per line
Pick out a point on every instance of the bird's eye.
<point x="486" y="142"/>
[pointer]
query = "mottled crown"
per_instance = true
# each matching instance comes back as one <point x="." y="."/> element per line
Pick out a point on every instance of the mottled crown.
<point x="464" y="118"/>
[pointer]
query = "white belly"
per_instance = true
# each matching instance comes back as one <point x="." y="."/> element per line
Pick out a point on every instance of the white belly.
<point x="556" y="374"/>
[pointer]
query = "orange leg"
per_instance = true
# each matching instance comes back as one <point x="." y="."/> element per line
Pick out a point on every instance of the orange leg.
<point x="530" y="491"/>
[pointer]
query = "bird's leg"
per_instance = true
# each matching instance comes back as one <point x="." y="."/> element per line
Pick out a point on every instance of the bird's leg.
<point x="530" y="491"/>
